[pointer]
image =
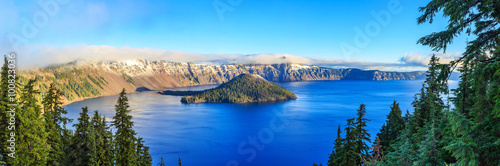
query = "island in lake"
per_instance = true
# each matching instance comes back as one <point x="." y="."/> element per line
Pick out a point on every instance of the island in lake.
<point x="245" y="88"/>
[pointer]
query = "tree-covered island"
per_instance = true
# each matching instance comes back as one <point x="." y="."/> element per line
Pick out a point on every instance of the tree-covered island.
<point x="245" y="88"/>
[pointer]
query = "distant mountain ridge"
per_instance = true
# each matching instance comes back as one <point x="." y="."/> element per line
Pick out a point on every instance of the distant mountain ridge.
<point x="78" y="82"/>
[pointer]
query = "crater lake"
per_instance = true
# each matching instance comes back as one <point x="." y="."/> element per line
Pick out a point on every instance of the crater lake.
<point x="297" y="132"/>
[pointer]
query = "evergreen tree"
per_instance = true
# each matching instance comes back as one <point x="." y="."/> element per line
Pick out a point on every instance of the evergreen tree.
<point x="144" y="157"/>
<point x="428" y="102"/>
<point x="395" y="124"/>
<point x="4" y="100"/>
<point x="161" y="162"/>
<point x="428" y="152"/>
<point x="402" y="154"/>
<point x="103" y="141"/>
<point x="352" y="156"/>
<point x="474" y="121"/>
<point x="337" y="157"/>
<point x="361" y="134"/>
<point x="180" y="164"/>
<point x="55" y="125"/>
<point x="82" y="144"/>
<point x="125" y="135"/>
<point x="31" y="137"/>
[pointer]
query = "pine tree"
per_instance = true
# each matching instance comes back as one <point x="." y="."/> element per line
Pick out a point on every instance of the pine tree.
<point x="402" y="154"/>
<point x="395" y="124"/>
<point x="83" y="145"/>
<point x="125" y="135"/>
<point x="361" y="134"/>
<point x="31" y="137"/>
<point x="428" y="152"/>
<point x="161" y="162"/>
<point x="144" y="157"/>
<point x="55" y="125"/>
<point x="428" y="102"/>
<point x="180" y="164"/>
<point x="352" y="156"/>
<point x="337" y="157"/>
<point x="103" y="141"/>
<point x="474" y="121"/>
<point x="4" y="100"/>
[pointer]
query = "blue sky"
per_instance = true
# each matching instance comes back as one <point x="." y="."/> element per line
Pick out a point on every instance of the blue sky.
<point x="296" y="27"/>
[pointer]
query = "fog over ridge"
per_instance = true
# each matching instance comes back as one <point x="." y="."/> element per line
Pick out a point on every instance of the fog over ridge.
<point x="42" y="56"/>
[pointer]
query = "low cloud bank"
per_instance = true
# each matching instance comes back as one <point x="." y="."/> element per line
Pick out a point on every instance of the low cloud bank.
<point x="41" y="56"/>
<point x="423" y="60"/>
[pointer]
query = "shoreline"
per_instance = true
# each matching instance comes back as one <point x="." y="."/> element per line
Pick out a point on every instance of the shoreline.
<point x="172" y="88"/>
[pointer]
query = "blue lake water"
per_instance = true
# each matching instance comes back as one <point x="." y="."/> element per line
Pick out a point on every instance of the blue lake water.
<point x="297" y="132"/>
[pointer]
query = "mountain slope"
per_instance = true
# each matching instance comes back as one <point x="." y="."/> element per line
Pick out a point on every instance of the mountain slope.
<point x="242" y="89"/>
<point x="78" y="82"/>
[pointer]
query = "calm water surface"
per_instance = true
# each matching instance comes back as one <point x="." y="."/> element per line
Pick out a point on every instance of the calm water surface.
<point x="298" y="132"/>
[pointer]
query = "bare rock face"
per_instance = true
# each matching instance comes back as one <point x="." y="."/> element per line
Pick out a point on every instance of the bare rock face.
<point x="109" y="78"/>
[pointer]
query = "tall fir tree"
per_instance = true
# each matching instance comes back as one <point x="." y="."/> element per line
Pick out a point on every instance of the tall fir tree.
<point x="144" y="157"/>
<point x="361" y="133"/>
<point x="352" y="156"/>
<point x="55" y="125"/>
<point x="395" y="123"/>
<point x="428" y="150"/>
<point x="31" y="144"/>
<point x="402" y="153"/>
<point x="474" y="121"/>
<point x="83" y="145"/>
<point x="103" y="141"/>
<point x="337" y="157"/>
<point x="125" y="139"/>
<point x="4" y="100"/>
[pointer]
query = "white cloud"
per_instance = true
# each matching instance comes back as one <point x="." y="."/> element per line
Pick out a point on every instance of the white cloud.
<point x="423" y="60"/>
<point x="41" y="56"/>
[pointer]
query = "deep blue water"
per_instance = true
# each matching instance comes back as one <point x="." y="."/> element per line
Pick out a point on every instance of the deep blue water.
<point x="298" y="132"/>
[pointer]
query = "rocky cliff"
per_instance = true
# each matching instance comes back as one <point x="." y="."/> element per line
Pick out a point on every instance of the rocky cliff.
<point x="78" y="82"/>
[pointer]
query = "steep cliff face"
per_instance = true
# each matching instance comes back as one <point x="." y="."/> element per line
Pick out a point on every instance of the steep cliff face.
<point x="295" y="72"/>
<point x="78" y="82"/>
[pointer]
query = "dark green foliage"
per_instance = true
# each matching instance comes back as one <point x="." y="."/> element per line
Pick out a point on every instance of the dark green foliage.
<point x="95" y="81"/>
<point x="31" y="144"/>
<point x="428" y="150"/>
<point x="362" y="134"/>
<point x="428" y="104"/>
<point x="395" y="123"/>
<point x="82" y="146"/>
<point x="468" y="134"/>
<point x="126" y="144"/>
<point x="352" y="155"/>
<point x="103" y="141"/>
<point x="144" y="158"/>
<point x="128" y="78"/>
<point x="55" y="125"/>
<point x="337" y="157"/>
<point x="353" y="149"/>
<point x="180" y="164"/>
<point x="4" y="100"/>
<point x="402" y="153"/>
<point x="242" y="89"/>
<point x="67" y="74"/>
<point x="474" y="122"/>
